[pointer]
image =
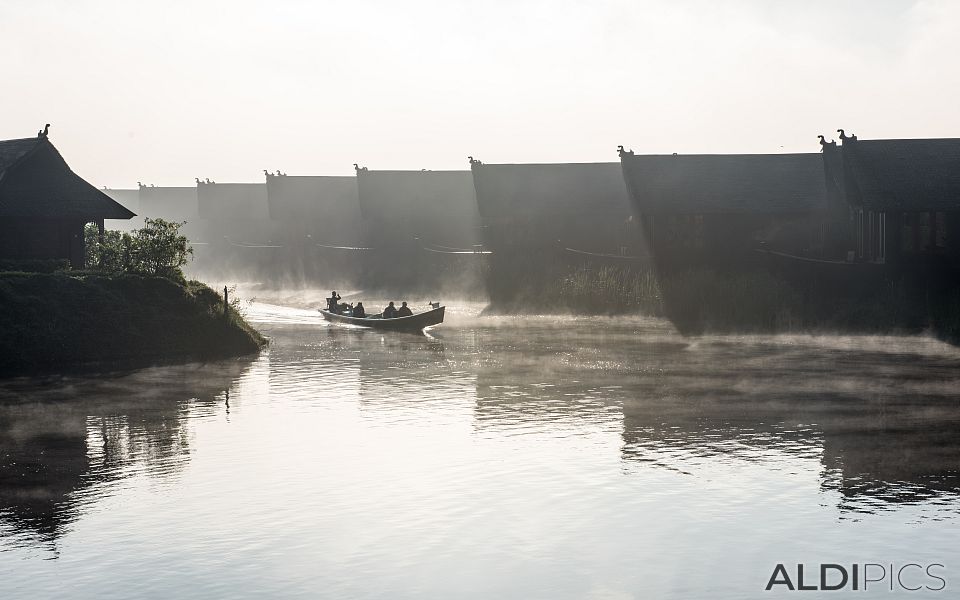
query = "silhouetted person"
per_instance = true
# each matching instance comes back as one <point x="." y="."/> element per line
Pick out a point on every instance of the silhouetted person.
<point x="404" y="310"/>
<point x="332" y="301"/>
<point x="358" y="310"/>
<point x="390" y="312"/>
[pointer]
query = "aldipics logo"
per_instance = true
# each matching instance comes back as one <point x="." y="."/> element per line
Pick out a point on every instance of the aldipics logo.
<point x="911" y="577"/>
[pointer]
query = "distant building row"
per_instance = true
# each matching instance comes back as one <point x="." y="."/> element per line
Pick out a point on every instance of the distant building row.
<point x="871" y="201"/>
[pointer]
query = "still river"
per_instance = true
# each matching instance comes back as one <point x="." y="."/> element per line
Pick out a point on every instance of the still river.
<point x="545" y="457"/>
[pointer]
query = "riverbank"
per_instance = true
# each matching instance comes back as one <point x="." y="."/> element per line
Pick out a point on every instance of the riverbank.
<point x="72" y="320"/>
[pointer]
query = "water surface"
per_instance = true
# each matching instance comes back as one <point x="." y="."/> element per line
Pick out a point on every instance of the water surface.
<point x="544" y="457"/>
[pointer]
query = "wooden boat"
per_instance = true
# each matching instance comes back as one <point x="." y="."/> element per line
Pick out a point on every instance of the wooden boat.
<point x="413" y="323"/>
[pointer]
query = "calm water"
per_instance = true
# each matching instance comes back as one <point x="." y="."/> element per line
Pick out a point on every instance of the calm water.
<point x="499" y="458"/>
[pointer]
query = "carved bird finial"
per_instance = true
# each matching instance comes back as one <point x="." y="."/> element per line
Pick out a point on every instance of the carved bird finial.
<point x="43" y="132"/>
<point x="140" y="184"/>
<point x="844" y="136"/>
<point x="358" y="168"/>
<point x="198" y="180"/>
<point x="824" y="142"/>
<point x="207" y="180"/>
<point x="266" y="173"/>
<point x="474" y="161"/>
<point x="623" y="152"/>
<point x="278" y="171"/>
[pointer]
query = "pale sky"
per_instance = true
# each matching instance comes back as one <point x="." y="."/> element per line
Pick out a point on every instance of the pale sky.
<point x="165" y="91"/>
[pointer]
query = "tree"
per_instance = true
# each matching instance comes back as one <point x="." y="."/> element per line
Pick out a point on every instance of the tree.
<point x="157" y="248"/>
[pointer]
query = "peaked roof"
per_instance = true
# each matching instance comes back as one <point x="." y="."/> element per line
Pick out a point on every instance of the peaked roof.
<point x="725" y="183"/>
<point x="171" y="203"/>
<point x="13" y="150"/>
<point x="232" y="200"/>
<point x="387" y="193"/>
<point x="438" y="207"/>
<point x="911" y="174"/>
<point x="36" y="182"/>
<point x="550" y="189"/>
<point x="296" y="197"/>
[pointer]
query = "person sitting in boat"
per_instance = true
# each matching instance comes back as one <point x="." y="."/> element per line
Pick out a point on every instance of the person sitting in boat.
<point x="390" y="312"/>
<point x="358" y="310"/>
<point x="332" y="302"/>
<point x="404" y="310"/>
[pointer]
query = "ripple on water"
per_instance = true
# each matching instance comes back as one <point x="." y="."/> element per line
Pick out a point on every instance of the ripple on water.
<point x="554" y="453"/>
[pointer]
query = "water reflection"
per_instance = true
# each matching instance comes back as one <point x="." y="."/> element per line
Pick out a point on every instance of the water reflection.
<point x="880" y="416"/>
<point x="884" y="424"/>
<point x="60" y="439"/>
<point x="568" y="455"/>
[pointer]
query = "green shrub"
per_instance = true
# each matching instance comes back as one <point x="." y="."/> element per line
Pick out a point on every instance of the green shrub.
<point x="157" y="248"/>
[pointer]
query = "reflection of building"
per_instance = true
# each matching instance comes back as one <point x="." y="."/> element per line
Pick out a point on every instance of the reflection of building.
<point x="876" y="438"/>
<point x="44" y="206"/>
<point x="102" y="427"/>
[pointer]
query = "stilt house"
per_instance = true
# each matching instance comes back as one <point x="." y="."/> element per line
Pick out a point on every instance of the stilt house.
<point x="44" y="205"/>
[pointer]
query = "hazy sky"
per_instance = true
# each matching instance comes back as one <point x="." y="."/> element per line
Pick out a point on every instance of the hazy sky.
<point x="164" y="91"/>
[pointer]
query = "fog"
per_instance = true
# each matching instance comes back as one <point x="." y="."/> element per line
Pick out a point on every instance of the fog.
<point x="502" y="230"/>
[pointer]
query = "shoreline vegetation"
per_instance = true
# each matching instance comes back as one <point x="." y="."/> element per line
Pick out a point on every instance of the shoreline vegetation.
<point x="755" y="300"/>
<point x="130" y="307"/>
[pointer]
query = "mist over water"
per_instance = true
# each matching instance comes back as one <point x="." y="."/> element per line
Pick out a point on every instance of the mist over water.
<point x="562" y="457"/>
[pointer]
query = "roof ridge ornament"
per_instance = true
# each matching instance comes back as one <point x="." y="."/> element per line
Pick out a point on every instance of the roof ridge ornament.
<point x="474" y="161"/>
<point x="358" y="168"/>
<point x="824" y="143"/>
<point x="622" y="152"/>
<point x="844" y="136"/>
<point x="44" y="132"/>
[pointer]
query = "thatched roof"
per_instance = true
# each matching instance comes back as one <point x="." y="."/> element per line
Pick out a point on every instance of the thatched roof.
<point x="12" y="151"/>
<point x="904" y="175"/>
<point x="294" y="198"/>
<point x="232" y="201"/>
<point x="726" y="183"/>
<point x="128" y="198"/>
<point x="438" y="206"/>
<point x="383" y="193"/>
<point x="36" y="182"/>
<point x="505" y="190"/>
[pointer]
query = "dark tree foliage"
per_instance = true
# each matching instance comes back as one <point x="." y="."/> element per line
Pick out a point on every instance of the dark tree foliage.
<point x="157" y="248"/>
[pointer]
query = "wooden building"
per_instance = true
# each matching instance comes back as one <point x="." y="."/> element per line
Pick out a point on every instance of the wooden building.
<point x="578" y="208"/>
<point x="171" y="203"/>
<point x="44" y="206"/>
<point x="718" y="210"/>
<point x="129" y="199"/>
<point x="421" y="224"/>
<point x="318" y="224"/>
<point x="327" y="209"/>
<point x="903" y="196"/>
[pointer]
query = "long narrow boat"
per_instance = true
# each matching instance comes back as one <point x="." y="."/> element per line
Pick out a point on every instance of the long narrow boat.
<point x="412" y="323"/>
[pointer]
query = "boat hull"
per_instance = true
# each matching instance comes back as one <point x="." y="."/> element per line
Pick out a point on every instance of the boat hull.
<point x="413" y="323"/>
